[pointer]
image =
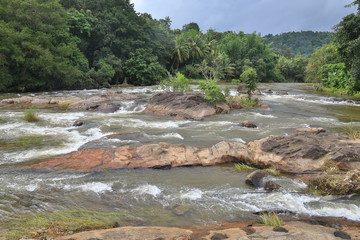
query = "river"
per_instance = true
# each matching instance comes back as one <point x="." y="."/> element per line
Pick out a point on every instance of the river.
<point x="148" y="196"/>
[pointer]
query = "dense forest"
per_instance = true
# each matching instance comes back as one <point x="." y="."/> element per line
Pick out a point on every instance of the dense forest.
<point x="302" y="43"/>
<point x="74" y="44"/>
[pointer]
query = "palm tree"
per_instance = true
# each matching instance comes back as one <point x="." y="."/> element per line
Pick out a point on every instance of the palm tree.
<point x="181" y="51"/>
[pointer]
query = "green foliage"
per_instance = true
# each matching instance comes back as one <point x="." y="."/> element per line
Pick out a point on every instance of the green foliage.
<point x="302" y="43"/>
<point x="191" y="26"/>
<point x="37" y="51"/>
<point x="244" y="102"/>
<point x="293" y="70"/>
<point x="30" y="116"/>
<point x="213" y="93"/>
<point x="272" y="219"/>
<point x="347" y="36"/>
<point x="249" y="77"/>
<point x="327" y="54"/>
<point x="246" y="168"/>
<point x="335" y="76"/>
<point x="142" y="68"/>
<point x="250" y="50"/>
<point x="243" y="167"/>
<point x="179" y="83"/>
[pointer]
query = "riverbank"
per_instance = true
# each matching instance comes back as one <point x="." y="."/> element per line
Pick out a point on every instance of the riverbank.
<point x="83" y="225"/>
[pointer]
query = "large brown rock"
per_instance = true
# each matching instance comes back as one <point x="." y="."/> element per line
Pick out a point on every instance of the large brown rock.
<point x="294" y="230"/>
<point x="183" y="106"/>
<point x="145" y="156"/>
<point x="305" y="152"/>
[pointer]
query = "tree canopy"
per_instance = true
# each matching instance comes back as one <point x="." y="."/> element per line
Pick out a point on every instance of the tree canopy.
<point x="71" y="44"/>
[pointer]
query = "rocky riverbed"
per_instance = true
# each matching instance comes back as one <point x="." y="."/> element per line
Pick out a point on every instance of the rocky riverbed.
<point x="112" y="160"/>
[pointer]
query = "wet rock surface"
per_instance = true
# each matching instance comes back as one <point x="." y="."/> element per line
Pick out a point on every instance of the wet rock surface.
<point x="191" y="106"/>
<point x="100" y="103"/>
<point x="303" y="152"/>
<point x="297" y="153"/>
<point x="144" y="156"/>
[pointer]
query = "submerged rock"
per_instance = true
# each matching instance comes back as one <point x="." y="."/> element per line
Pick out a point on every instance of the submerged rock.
<point x="256" y="178"/>
<point x="248" y="124"/>
<point x="184" y="106"/>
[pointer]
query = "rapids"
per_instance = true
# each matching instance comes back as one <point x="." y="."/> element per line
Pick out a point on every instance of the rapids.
<point x="147" y="196"/>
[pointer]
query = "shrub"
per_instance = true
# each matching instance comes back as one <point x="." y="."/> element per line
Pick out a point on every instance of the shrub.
<point x="249" y="77"/>
<point x="30" y="116"/>
<point x="213" y="93"/>
<point x="332" y="183"/>
<point x="238" y="102"/>
<point x="272" y="219"/>
<point x="179" y="83"/>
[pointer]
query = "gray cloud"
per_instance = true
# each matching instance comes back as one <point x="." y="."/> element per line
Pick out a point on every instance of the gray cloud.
<point x="264" y="16"/>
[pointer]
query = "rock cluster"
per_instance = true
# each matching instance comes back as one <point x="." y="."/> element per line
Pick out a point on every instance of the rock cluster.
<point x="100" y="103"/>
<point x="191" y="106"/>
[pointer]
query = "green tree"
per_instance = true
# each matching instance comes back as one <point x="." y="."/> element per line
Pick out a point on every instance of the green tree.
<point x="347" y="37"/>
<point x="213" y="93"/>
<point x="142" y="68"/>
<point x="249" y="77"/>
<point x="327" y="54"/>
<point x="191" y="26"/>
<point x="36" y="48"/>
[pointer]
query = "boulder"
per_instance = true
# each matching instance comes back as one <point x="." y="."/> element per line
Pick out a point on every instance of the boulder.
<point x="304" y="152"/>
<point x="183" y="106"/>
<point x="282" y="92"/>
<point x="256" y="178"/>
<point x="271" y="186"/>
<point x="310" y="130"/>
<point x="145" y="156"/>
<point x="78" y="123"/>
<point x="248" y="124"/>
<point x="267" y="91"/>
<point x="181" y="210"/>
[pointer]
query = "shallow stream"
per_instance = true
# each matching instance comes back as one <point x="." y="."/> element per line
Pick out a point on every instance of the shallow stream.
<point x="147" y="196"/>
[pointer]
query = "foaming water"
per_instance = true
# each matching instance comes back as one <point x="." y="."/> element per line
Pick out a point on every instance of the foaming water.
<point x="213" y="194"/>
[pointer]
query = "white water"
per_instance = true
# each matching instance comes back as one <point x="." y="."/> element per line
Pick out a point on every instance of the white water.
<point x="214" y="194"/>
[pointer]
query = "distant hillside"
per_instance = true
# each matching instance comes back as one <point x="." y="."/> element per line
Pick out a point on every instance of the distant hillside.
<point x="298" y="43"/>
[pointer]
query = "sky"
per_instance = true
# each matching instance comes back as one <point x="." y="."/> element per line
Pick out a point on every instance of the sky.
<point x="262" y="16"/>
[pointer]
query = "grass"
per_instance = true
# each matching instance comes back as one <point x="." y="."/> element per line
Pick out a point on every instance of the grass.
<point x="28" y="141"/>
<point x="65" y="105"/>
<point x="246" y="168"/>
<point x="332" y="183"/>
<point x="59" y="223"/>
<point x="243" y="167"/>
<point x="30" y="116"/>
<point x="244" y="101"/>
<point x="350" y="130"/>
<point x="272" y="219"/>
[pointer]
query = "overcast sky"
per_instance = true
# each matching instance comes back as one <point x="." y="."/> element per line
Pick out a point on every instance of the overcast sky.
<point x="262" y="16"/>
